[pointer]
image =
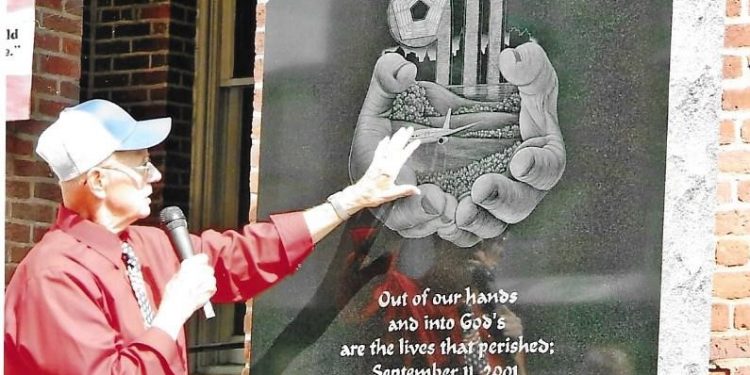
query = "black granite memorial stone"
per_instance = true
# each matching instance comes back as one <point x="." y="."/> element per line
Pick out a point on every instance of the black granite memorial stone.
<point x="535" y="247"/>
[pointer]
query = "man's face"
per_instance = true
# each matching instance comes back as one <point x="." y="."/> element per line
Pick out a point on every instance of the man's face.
<point x="130" y="177"/>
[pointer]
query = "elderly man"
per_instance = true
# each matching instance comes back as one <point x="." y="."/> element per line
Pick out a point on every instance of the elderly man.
<point x="98" y="295"/>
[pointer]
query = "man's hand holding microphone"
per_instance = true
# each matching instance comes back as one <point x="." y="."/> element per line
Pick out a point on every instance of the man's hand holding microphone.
<point x="194" y="283"/>
<point x="187" y="291"/>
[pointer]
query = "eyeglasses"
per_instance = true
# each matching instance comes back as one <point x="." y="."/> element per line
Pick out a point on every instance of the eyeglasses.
<point x="147" y="171"/>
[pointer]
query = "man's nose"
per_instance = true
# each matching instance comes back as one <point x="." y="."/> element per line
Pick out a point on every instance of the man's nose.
<point x="153" y="174"/>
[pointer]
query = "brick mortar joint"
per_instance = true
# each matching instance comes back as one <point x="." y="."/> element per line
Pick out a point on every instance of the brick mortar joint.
<point x="734" y="237"/>
<point x="721" y="301"/>
<point x="733" y="148"/>
<point x="734" y="115"/>
<point x="59" y="54"/>
<point x="54" y="98"/>
<point x="731" y="333"/>
<point x="176" y="21"/>
<point x="48" y="32"/>
<point x="33" y="201"/>
<point x="737" y="207"/>
<point x="116" y="72"/>
<point x="728" y="364"/>
<point x="130" y="21"/>
<point x="728" y="270"/>
<point x="726" y="177"/>
<point x="60" y="33"/>
<point x="741" y="20"/>
<point x="9" y="243"/>
<point x="123" y="56"/>
<point x="29" y="157"/>
<point x="140" y="86"/>
<point x="42" y="10"/>
<point x="30" y="223"/>
<point x="734" y="179"/>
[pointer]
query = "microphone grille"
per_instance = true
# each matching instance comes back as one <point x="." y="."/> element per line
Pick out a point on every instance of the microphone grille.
<point x="170" y="214"/>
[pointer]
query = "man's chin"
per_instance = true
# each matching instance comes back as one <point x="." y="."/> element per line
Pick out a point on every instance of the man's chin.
<point x="144" y="212"/>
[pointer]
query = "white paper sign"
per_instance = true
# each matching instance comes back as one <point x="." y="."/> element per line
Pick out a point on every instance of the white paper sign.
<point x="18" y="37"/>
<point x="17" y="54"/>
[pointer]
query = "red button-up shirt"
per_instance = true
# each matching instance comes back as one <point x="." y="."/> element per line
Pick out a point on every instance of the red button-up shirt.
<point x="70" y="309"/>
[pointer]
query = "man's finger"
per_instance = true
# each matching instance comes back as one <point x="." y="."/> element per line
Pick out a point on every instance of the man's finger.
<point x="409" y="149"/>
<point x="400" y="157"/>
<point x="195" y="261"/>
<point x="201" y="257"/>
<point x="400" y="191"/>
<point x="380" y="150"/>
<point x="399" y="140"/>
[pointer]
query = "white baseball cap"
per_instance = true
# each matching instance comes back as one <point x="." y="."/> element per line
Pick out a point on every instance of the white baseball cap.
<point x="88" y="133"/>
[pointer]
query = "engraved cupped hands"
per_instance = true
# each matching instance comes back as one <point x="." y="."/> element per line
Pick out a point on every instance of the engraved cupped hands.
<point x="464" y="203"/>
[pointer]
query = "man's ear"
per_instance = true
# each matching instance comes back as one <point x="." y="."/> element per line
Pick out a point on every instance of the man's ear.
<point x="96" y="181"/>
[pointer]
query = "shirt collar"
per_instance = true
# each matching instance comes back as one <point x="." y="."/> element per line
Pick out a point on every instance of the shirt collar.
<point x="91" y="234"/>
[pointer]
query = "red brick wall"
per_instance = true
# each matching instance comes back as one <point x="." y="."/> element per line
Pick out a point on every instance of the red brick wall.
<point x="730" y="324"/>
<point x="260" y="37"/>
<point x="31" y="193"/>
<point x="140" y="54"/>
<point x="181" y="61"/>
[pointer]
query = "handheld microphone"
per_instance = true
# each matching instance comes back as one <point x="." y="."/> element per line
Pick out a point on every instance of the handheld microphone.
<point x="174" y="221"/>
